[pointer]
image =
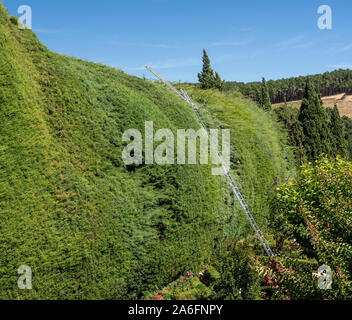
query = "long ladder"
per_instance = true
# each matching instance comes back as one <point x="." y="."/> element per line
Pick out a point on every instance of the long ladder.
<point x="183" y="95"/>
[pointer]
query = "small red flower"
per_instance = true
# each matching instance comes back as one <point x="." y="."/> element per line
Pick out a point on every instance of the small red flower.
<point x="159" y="297"/>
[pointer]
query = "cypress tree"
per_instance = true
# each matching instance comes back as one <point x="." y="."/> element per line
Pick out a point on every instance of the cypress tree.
<point x="207" y="78"/>
<point x="265" y="97"/>
<point x="258" y="96"/>
<point x="337" y="133"/>
<point x="348" y="136"/>
<point x="315" y="125"/>
<point x="218" y="82"/>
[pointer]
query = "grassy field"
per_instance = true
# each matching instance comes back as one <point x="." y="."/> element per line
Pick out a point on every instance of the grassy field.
<point x="343" y="102"/>
<point x="89" y="226"/>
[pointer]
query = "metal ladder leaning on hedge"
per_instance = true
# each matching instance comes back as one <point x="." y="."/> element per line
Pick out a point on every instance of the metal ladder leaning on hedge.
<point x="183" y="95"/>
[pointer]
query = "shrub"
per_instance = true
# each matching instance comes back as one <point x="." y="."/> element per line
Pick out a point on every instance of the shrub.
<point x="316" y="212"/>
<point x="14" y="21"/>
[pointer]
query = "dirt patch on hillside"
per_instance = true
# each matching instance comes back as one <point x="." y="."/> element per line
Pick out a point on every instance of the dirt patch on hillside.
<point x="347" y="98"/>
<point x="343" y="102"/>
<point x="336" y="97"/>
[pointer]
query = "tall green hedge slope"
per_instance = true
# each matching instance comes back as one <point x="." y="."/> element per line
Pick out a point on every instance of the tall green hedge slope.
<point x="260" y="158"/>
<point x="89" y="226"/>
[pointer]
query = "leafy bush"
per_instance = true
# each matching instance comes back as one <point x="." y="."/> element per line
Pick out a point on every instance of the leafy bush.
<point x="315" y="213"/>
<point x="233" y="278"/>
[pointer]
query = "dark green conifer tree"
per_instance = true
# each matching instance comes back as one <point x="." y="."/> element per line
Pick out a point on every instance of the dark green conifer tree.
<point x="288" y="116"/>
<point x="317" y="137"/>
<point x="337" y="133"/>
<point x="265" y="97"/>
<point x="348" y="136"/>
<point x="218" y="82"/>
<point x="207" y="78"/>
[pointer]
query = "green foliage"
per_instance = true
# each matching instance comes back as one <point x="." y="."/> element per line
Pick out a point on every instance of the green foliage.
<point x="348" y="136"/>
<point x="210" y="275"/>
<point x="186" y="287"/>
<point x="260" y="158"/>
<point x="89" y="226"/>
<point x="14" y="20"/>
<point x="232" y="277"/>
<point x="264" y="100"/>
<point x="219" y="84"/>
<point x="288" y="116"/>
<point x="325" y="129"/>
<point x="314" y="213"/>
<point x="314" y="122"/>
<point x="207" y="78"/>
<point x="229" y="275"/>
<point x="337" y="133"/>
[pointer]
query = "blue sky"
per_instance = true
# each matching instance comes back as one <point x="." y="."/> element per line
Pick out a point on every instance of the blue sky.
<point x="245" y="39"/>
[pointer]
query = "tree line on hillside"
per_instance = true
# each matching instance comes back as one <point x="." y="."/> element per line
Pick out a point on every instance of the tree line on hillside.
<point x="284" y="90"/>
<point x="209" y="79"/>
<point x="314" y="130"/>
